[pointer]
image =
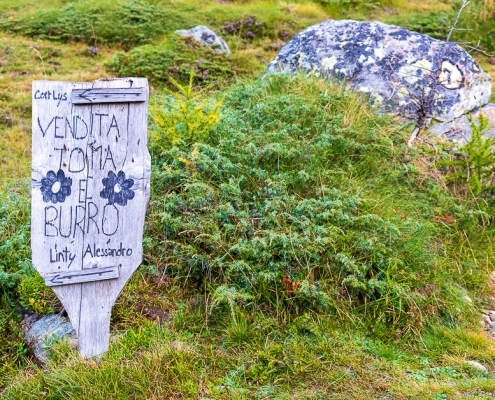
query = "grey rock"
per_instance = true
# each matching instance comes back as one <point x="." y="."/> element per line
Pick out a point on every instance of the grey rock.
<point x="477" y="365"/>
<point x="41" y="333"/>
<point x="396" y="67"/>
<point x="207" y="37"/>
<point x="460" y="130"/>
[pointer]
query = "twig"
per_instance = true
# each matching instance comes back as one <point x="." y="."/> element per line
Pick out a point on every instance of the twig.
<point x="463" y="6"/>
<point x="414" y="135"/>
<point x="425" y="101"/>
<point x="94" y="34"/>
<point x="37" y="52"/>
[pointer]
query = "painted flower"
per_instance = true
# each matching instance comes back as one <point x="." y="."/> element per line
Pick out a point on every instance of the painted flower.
<point x="117" y="188"/>
<point x="55" y="187"/>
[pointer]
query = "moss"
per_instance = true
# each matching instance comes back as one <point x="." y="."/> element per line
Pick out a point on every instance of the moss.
<point x="177" y="58"/>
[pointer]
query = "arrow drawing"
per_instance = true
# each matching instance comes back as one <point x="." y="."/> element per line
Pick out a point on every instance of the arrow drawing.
<point x="83" y="95"/>
<point x="56" y="278"/>
<point x="108" y="95"/>
<point x="92" y="275"/>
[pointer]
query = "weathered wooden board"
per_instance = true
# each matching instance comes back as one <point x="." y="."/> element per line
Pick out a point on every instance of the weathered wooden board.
<point x="90" y="188"/>
<point x="108" y="95"/>
<point x="83" y="276"/>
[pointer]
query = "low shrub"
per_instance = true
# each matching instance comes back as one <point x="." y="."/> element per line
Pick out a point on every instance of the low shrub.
<point x="139" y="22"/>
<point x="471" y="168"/>
<point x="17" y="276"/>
<point x="288" y="203"/>
<point x="185" y="116"/>
<point x="177" y="58"/>
<point x="246" y="28"/>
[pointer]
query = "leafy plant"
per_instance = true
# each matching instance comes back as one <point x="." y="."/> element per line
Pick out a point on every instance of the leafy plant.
<point x="35" y="295"/>
<point x="248" y="28"/>
<point x="473" y="164"/>
<point x="185" y="116"/>
<point x="231" y="296"/>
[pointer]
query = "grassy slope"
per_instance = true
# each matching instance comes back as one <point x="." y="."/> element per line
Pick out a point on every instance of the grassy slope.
<point x="165" y="346"/>
<point x="19" y="62"/>
<point x="168" y="342"/>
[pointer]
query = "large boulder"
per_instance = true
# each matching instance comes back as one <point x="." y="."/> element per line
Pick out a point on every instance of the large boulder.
<point x="398" y="68"/>
<point x="205" y="36"/>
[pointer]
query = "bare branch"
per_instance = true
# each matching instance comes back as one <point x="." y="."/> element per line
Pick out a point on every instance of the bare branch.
<point x="425" y="101"/>
<point x="414" y="135"/>
<point x="463" y="6"/>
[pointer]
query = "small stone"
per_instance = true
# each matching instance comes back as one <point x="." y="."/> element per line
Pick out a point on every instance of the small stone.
<point x="41" y="333"/>
<point x="477" y="365"/>
<point x="205" y="36"/>
<point x="491" y="60"/>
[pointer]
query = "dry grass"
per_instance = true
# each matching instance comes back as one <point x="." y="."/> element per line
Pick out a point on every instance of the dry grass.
<point x="23" y="60"/>
<point x="487" y="10"/>
<point x="308" y="10"/>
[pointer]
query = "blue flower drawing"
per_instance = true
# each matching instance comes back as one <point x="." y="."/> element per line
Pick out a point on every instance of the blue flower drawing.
<point x="117" y="188"/>
<point x="55" y="187"/>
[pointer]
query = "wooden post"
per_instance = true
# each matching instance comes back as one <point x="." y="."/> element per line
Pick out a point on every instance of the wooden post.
<point x="90" y="188"/>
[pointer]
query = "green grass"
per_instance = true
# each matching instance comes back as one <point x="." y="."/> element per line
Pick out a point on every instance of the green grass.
<point x="296" y="249"/>
<point x="348" y="285"/>
<point x="323" y="360"/>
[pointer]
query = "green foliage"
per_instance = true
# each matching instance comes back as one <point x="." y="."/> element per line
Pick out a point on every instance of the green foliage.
<point x="129" y="23"/>
<point x="473" y="164"/>
<point x="176" y="59"/>
<point x="435" y="24"/>
<point x="284" y="221"/>
<point x="239" y="332"/>
<point x="15" y="264"/>
<point x="34" y="294"/>
<point x="255" y="209"/>
<point x="476" y="23"/>
<point x="248" y="28"/>
<point x="184" y="116"/>
<point x="231" y="296"/>
<point x="346" y="6"/>
<point x="15" y="252"/>
<point x="18" y="279"/>
<point x="480" y="18"/>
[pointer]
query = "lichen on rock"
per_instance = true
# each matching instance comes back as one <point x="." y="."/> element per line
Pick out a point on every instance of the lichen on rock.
<point x="205" y="36"/>
<point x="396" y="67"/>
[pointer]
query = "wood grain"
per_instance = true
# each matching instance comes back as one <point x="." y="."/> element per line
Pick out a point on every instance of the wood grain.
<point x="108" y="95"/>
<point x="96" y="146"/>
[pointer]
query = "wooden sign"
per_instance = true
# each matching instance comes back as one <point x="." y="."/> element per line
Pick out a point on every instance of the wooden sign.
<point x="90" y="188"/>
